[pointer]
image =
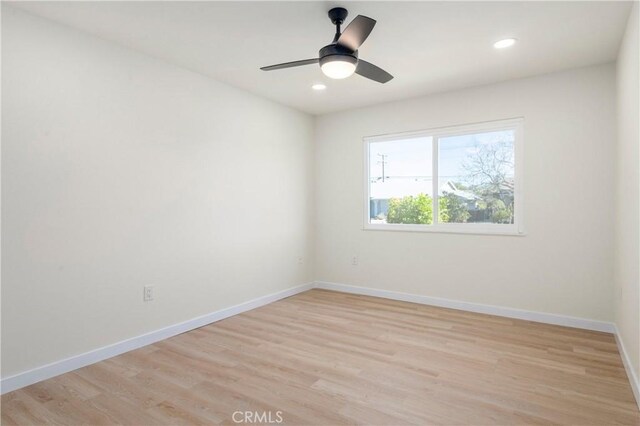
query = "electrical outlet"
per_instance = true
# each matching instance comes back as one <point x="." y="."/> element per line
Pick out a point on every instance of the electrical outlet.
<point x="300" y="261"/>
<point x="354" y="261"/>
<point x="148" y="293"/>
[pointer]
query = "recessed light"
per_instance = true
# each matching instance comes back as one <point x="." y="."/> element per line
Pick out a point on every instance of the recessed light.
<point x="318" y="86"/>
<point x="501" y="44"/>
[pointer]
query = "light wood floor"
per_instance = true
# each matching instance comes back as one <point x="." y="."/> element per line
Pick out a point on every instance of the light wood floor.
<point x="330" y="358"/>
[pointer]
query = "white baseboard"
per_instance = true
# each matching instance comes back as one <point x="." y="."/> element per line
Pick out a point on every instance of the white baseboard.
<point x="543" y="317"/>
<point x="631" y="373"/>
<point x="48" y="371"/>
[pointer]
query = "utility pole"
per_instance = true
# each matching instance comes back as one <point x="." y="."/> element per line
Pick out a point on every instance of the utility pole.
<point x="383" y="162"/>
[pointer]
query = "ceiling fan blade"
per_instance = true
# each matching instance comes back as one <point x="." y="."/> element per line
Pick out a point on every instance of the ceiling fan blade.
<point x="290" y="64"/>
<point x="356" y="32"/>
<point x="370" y="71"/>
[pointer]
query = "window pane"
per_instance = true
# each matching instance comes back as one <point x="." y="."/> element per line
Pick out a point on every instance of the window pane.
<point x="401" y="181"/>
<point x="476" y="178"/>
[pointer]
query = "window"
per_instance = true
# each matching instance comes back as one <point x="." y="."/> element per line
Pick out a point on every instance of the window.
<point x="458" y="179"/>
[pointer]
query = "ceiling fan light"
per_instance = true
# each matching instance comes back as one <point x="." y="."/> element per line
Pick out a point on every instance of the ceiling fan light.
<point x="339" y="67"/>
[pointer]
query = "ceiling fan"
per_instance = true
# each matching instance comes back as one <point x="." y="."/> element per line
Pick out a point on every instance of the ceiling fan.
<point x="340" y="58"/>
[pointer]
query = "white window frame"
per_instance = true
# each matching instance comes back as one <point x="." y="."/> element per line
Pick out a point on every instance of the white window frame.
<point x="516" y="228"/>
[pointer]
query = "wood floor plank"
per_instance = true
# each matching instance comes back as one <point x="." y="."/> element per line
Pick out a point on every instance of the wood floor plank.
<point x="329" y="358"/>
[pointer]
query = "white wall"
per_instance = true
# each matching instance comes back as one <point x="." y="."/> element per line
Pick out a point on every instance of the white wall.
<point x="627" y="247"/>
<point x="118" y="171"/>
<point x="564" y="263"/>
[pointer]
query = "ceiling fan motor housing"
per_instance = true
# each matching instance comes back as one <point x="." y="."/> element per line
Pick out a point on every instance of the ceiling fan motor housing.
<point x="331" y="52"/>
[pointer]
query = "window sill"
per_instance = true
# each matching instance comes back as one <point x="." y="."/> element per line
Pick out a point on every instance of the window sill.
<point x="501" y="230"/>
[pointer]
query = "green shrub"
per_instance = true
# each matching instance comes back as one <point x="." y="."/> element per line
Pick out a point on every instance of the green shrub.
<point x="418" y="210"/>
<point x="498" y="211"/>
<point x="452" y="209"/>
<point x="411" y="210"/>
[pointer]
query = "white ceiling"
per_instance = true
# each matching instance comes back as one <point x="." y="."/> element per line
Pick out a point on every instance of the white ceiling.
<point x="428" y="46"/>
